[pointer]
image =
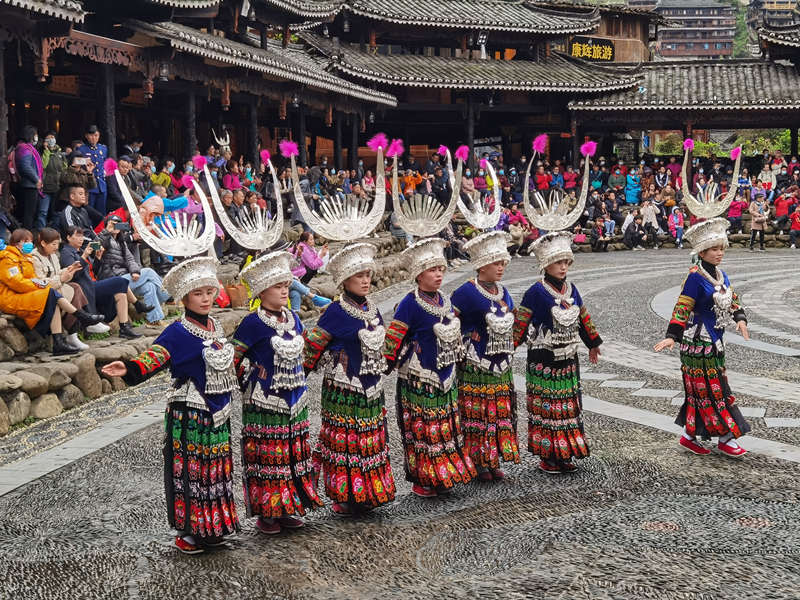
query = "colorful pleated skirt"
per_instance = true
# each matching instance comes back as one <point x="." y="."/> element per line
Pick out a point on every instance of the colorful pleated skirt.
<point x="430" y="427"/>
<point x="709" y="408"/>
<point x="198" y="473"/>
<point x="353" y="447"/>
<point x="488" y="405"/>
<point x="277" y="473"/>
<point x="555" y="419"/>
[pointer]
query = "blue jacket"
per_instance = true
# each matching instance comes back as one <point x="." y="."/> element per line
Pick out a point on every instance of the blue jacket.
<point x="98" y="154"/>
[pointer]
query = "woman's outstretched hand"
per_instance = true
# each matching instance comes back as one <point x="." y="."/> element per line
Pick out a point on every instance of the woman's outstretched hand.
<point x="667" y="343"/>
<point x="115" y="369"/>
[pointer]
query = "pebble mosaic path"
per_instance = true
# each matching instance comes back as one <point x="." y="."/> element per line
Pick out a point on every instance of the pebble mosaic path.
<point x="83" y="514"/>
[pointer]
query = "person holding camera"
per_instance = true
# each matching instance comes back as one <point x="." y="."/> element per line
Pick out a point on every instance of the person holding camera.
<point x="120" y="259"/>
<point x="98" y="153"/>
<point x="110" y="295"/>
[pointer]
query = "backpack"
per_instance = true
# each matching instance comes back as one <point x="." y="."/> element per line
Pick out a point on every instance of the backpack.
<point x="13" y="174"/>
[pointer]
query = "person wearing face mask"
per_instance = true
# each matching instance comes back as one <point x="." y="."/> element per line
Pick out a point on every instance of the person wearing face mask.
<point x="54" y="161"/>
<point x="164" y="175"/>
<point x="30" y="172"/>
<point x="32" y="299"/>
<point x="133" y="147"/>
<point x="616" y="181"/>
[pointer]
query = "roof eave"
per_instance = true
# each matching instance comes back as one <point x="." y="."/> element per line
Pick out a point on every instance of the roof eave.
<point x="46" y="8"/>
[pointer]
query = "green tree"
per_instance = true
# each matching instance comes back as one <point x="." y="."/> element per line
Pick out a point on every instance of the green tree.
<point x="740" y="37"/>
<point x="672" y="144"/>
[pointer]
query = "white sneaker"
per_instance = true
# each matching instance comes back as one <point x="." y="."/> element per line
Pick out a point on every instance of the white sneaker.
<point x="75" y="342"/>
<point x="792" y="247"/>
<point x="98" y="328"/>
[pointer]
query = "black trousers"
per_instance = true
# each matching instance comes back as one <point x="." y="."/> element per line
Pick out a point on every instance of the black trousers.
<point x="760" y="233"/>
<point x="27" y="206"/>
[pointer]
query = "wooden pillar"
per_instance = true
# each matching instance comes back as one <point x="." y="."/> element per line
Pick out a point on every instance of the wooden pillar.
<point x="793" y="142"/>
<point x="688" y="128"/>
<point x="190" y="124"/>
<point x="3" y="122"/>
<point x="263" y="35"/>
<point x="337" y="141"/>
<point x="301" y="135"/>
<point x="312" y="150"/>
<point x="470" y="131"/>
<point x="573" y="131"/>
<point x="286" y="35"/>
<point x="505" y="145"/>
<point x="252" y="133"/>
<point x="353" y="154"/>
<point x="108" y="124"/>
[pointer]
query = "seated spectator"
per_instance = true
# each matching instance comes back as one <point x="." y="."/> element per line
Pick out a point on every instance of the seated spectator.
<point x="48" y="269"/>
<point x="541" y="179"/>
<point x="556" y="179"/>
<point x="596" y="178"/>
<point x="298" y="291"/>
<point x="650" y="221"/>
<point x="120" y="259"/>
<point x="397" y="231"/>
<point x="784" y="204"/>
<point x="410" y="181"/>
<point x="359" y="192"/>
<point x="570" y="179"/>
<point x="635" y="235"/>
<point x="163" y="176"/>
<point x="598" y="238"/>
<point x="616" y="181"/>
<point x="111" y="295"/>
<point x="633" y="188"/>
<point x="368" y="182"/>
<point x="735" y="210"/>
<point x="794" y="229"/>
<point x="440" y="186"/>
<point x="629" y="218"/>
<point x="309" y="260"/>
<point x="78" y="213"/>
<point x="454" y="251"/>
<point x="676" y="225"/>
<point x="232" y="180"/>
<point x="32" y="299"/>
<point x="662" y="178"/>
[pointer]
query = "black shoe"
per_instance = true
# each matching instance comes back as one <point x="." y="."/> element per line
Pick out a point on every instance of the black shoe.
<point x="141" y="307"/>
<point x="126" y="331"/>
<point x="87" y="319"/>
<point x="61" y="347"/>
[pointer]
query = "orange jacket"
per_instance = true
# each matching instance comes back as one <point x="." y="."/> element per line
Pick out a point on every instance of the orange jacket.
<point x="410" y="183"/>
<point x="18" y="294"/>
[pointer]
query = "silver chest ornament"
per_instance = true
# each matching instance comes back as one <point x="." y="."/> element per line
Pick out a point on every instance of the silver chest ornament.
<point x="449" y="343"/>
<point x="565" y="320"/>
<point x="723" y="301"/>
<point x="218" y="358"/>
<point x="500" y="325"/>
<point x="287" y="346"/>
<point x="371" y="337"/>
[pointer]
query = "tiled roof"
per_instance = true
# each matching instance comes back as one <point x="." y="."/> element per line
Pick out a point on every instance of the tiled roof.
<point x="69" y="10"/>
<point x="489" y="15"/>
<point x="187" y="3"/>
<point x="289" y="64"/>
<point x="309" y="9"/>
<point x="784" y="36"/>
<point x="705" y="85"/>
<point x="555" y="74"/>
<point x="692" y="4"/>
<point x="607" y="6"/>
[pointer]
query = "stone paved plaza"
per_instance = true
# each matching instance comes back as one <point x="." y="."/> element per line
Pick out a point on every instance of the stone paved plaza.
<point x="641" y="519"/>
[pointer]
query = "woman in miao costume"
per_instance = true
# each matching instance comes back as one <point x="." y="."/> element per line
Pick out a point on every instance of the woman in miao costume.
<point x="346" y="345"/>
<point x="198" y="464"/>
<point x="706" y="306"/>
<point x="423" y="342"/>
<point x="486" y="396"/>
<point x="553" y="321"/>
<point x="276" y="456"/>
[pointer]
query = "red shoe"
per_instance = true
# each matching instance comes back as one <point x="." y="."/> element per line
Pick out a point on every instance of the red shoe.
<point x="423" y="492"/>
<point x="268" y="526"/>
<point x="734" y="451"/>
<point x="549" y="468"/>
<point x="485" y="476"/>
<point x="341" y="509"/>
<point x="693" y="447"/>
<point x="498" y="475"/>
<point x="214" y="542"/>
<point x="568" y="467"/>
<point x="291" y="522"/>
<point x="187" y="548"/>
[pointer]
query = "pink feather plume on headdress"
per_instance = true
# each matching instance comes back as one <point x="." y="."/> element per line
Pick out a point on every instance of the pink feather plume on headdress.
<point x="484" y="162"/>
<point x="265" y="156"/>
<point x="540" y="143"/>
<point x="736" y="152"/>
<point x="187" y="181"/>
<point x="395" y="148"/>
<point x="288" y="148"/>
<point x="199" y="162"/>
<point x="109" y="166"/>
<point x="379" y="140"/>
<point x="442" y="151"/>
<point x="589" y="148"/>
<point x="462" y="153"/>
<point x="688" y="144"/>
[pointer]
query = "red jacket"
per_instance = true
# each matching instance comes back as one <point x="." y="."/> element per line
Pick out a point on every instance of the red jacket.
<point x="795" y="217"/>
<point x="782" y="205"/>
<point x="543" y="181"/>
<point x="570" y="180"/>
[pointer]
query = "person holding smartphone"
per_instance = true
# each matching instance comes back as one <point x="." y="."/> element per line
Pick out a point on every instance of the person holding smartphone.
<point x="120" y="258"/>
<point x="108" y="297"/>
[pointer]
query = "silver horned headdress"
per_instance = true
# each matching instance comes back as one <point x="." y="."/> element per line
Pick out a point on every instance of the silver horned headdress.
<point x="482" y="214"/>
<point x="254" y="229"/>
<point x="341" y="217"/>
<point x="550" y="209"/>
<point x="224" y="143"/>
<point x="422" y="214"/>
<point x="186" y="236"/>
<point x="707" y="203"/>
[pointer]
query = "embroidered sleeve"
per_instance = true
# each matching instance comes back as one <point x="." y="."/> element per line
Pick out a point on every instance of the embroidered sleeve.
<point x="146" y="364"/>
<point x="737" y="308"/>
<point x="395" y="333"/>
<point x="316" y="341"/>
<point x="683" y="307"/>
<point x="522" y="319"/>
<point x="239" y="350"/>
<point x="588" y="331"/>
